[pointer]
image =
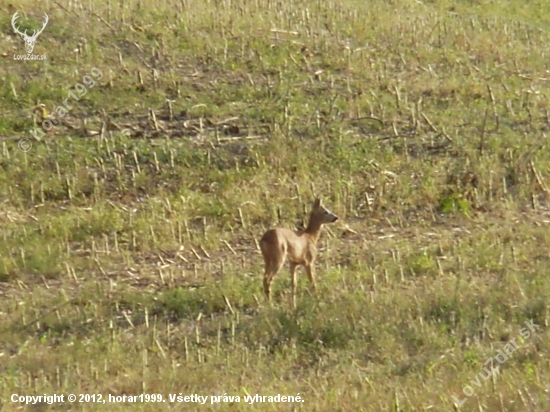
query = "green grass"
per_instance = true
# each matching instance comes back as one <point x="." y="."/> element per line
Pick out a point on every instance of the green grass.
<point x="128" y="234"/>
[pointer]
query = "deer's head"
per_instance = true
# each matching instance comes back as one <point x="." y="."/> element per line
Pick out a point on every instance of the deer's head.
<point x="30" y="41"/>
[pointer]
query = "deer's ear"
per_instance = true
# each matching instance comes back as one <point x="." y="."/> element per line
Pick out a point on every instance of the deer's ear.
<point x="317" y="203"/>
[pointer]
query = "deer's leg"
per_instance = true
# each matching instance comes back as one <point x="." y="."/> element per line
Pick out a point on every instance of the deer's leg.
<point x="293" y="282"/>
<point x="272" y="267"/>
<point x="270" y="273"/>
<point x="267" y="283"/>
<point x="311" y="276"/>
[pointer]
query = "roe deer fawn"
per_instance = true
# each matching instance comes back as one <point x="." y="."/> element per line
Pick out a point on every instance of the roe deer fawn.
<point x="300" y="247"/>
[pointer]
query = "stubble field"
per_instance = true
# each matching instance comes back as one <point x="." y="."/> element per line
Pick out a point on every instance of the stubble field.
<point x="182" y="130"/>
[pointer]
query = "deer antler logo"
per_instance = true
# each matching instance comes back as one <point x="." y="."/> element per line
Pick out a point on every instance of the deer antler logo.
<point x="30" y="41"/>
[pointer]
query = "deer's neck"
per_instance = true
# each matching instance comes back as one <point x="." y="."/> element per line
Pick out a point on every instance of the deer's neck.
<point x="313" y="229"/>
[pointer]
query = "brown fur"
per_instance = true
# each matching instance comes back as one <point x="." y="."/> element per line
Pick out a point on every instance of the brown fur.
<point x="298" y="247"/>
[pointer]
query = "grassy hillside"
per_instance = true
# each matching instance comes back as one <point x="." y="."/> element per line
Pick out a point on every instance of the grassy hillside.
<point x="179" y="131"/>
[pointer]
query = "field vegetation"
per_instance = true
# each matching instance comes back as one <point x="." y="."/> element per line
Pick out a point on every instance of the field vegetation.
<point x="129" y="230"/>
